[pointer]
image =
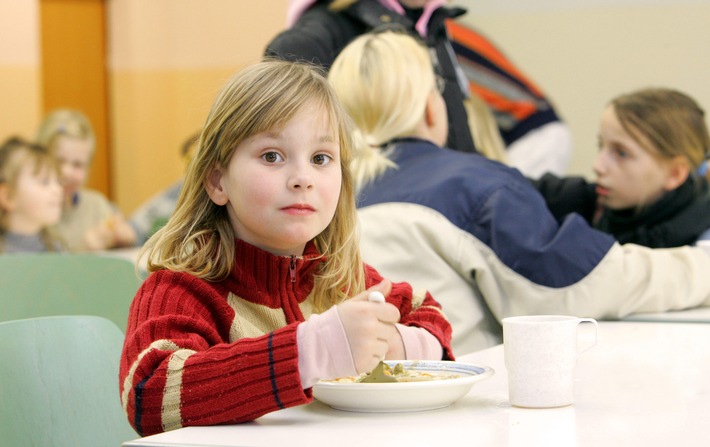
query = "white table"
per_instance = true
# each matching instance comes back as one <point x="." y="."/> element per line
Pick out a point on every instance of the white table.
<point x="645" y="384"/>
<point x="695" y="315"/>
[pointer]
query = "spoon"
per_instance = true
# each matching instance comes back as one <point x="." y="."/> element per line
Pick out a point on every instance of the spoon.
<point x="378" y="375"/>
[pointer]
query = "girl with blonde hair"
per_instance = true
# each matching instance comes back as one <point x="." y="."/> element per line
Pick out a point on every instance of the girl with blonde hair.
<point x="30" y="198"/>
<point x="257" y="288"/>
<point x="89" y="220"/>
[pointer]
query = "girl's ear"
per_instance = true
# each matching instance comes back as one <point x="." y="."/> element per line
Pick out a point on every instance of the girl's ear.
<point x="678" y="173"/>
<point x="6" y="201"/>
<point x="213" y="186"/>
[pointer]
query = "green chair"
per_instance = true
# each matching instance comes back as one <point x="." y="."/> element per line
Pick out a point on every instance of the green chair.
<point x="59" y="383"/>
<point x="45" y="284"/>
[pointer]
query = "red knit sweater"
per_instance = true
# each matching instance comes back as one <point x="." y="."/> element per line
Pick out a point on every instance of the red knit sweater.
<point x="207" y="353"/>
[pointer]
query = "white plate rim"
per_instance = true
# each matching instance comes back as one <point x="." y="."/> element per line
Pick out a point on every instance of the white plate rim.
<point x="400" y="396"/>
<point x="450" y="366"/>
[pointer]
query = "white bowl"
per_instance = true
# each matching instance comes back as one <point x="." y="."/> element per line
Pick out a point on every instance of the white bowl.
<point x="404" y="396"/>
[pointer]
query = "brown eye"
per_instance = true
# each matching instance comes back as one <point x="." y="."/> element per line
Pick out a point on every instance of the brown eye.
<point x="322" y="159"/>
<point x="271" y="157"/>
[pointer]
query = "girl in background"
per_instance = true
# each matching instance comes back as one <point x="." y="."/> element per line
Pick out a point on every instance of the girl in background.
<point x="30" y="198"/>
<point x="257" y="288"/>
<point x="89" y="221"/>
<point x="651" y="171"/>
<point x="651" y="185"/>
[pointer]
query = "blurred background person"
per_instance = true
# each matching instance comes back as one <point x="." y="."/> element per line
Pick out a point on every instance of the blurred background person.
<point x="30" y="198"/>
<point x="651" y="185"/>
<point x="89" y="221"/>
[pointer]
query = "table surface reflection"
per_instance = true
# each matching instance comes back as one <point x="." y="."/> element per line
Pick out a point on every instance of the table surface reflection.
<point x="642" y="384"/>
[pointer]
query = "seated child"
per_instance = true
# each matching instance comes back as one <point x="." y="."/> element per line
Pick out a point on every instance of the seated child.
<point x="89" y="221"/>
<point x="257" y="289"/>
<point x="651" y="184"/>
<point x="30" y="198"/>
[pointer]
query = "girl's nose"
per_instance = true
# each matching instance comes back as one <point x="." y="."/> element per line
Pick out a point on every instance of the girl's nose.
<point x="300" y="178"/>
<point x="599" y="166"/>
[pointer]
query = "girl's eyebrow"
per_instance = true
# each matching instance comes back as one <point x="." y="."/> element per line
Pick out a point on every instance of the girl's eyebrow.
<point x="272" y="134"/>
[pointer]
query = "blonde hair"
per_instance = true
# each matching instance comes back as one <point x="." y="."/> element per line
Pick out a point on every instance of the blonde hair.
<point x="16" y="153"/>
<point x="670" y="121"/>
<point x="64" y="122"/>
<point x="484" y="129"/>
<point x="199" y="238"/>
<point x="383" y="79"/>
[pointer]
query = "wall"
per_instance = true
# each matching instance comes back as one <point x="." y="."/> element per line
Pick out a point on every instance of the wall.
<point x="20" y="73"/>
<point x="584" y="52"/>
<point x="168" y="59"/>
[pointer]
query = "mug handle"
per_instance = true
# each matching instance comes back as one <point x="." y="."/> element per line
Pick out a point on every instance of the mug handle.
<point x="596" y="331"/>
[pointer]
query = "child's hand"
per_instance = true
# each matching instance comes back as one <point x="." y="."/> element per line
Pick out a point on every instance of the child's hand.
<point x="369" y="327"/>
<point x="123" y="233"/>
<point x="111" y="233"/>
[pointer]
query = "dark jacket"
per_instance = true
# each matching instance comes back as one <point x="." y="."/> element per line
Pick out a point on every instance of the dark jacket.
<point x="679" y="217"/>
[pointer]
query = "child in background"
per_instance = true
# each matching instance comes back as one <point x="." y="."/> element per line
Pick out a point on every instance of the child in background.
<point x="257" y="289"/>
<point x="651" y="183"/>
<point x="651" y="170"/>
<point x="89" y="221"/>
<point x="30" y="198"/>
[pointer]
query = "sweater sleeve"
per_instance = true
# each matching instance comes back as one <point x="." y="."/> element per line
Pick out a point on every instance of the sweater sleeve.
<point x="179" y="367"/>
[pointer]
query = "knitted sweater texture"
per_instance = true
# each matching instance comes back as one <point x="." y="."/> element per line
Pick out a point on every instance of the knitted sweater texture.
<point x="207" y="353"/>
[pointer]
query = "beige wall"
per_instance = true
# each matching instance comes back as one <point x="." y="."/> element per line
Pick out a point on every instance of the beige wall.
<point x="168" y="58"/>
<point x="584" y="52"/>
<point x="20" y="73"/>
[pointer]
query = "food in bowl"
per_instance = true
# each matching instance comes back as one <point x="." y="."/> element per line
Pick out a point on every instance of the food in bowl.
<point x="384" y="373"/>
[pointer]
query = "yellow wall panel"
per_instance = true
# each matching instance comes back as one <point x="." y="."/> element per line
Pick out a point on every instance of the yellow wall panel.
<point x="21" y="102"/>
<point x="167" y="60"/>
<point x="20" y="74"/>
<point x="153" y="113"/>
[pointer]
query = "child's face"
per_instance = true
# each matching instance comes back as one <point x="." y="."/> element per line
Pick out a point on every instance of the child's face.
<point x="37" y="200"/>
<point x="282" y="187"/>
<point x="74" y="156"/>
<point x="627" y="174"/>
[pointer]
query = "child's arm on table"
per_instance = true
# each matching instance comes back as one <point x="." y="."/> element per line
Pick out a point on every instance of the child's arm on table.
<point x="179" y="368"/>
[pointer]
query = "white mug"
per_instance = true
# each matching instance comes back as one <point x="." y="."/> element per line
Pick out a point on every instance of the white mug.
<point x="540" y="355"/>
